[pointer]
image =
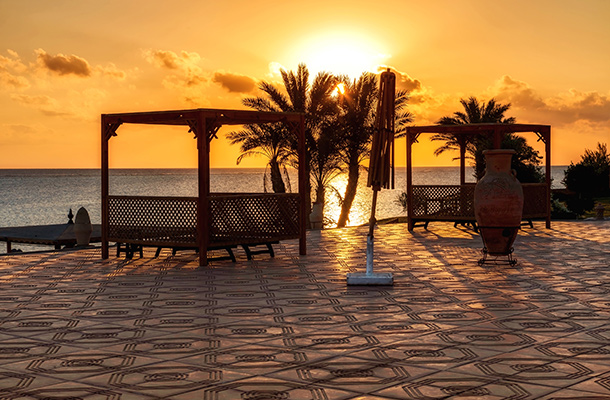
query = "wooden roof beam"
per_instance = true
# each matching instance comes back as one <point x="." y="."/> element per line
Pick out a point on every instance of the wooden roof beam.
<point x="181" y="117"/>
<point x="479" y="128"/>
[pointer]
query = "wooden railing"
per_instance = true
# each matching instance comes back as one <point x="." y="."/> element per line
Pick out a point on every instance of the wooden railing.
<point x="235" y="218"/>
<point x="456" y="202"/>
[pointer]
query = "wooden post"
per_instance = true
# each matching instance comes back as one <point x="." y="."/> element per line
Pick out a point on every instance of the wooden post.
<point x="303" y="187"/>
<point x="497" y="139"/>
<point x="547" y="149"/>
<point x="409" y="181"/>
<point x="203" y="172"/>
<point x="393" y="162"/>
<point x="462" y="142"/>
<point x="104" y="167"/>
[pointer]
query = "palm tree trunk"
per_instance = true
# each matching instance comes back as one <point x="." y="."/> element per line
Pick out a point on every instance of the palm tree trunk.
<point x="308" y="194"/>
<point x="353" y="175"/>
<point x="276" y="177"/>
<point x="320" y="194"/>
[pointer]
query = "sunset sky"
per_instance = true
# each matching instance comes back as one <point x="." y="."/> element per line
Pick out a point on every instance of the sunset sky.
<point x="63" y="63"/>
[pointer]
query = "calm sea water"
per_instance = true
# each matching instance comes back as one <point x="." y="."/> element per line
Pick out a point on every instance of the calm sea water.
<point x="39" y="197"/>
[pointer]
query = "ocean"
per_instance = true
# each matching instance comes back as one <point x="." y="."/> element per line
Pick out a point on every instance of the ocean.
<point x="45" y="196"/>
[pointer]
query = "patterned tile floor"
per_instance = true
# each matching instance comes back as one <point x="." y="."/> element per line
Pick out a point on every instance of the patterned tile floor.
<point x="73" y="326"/>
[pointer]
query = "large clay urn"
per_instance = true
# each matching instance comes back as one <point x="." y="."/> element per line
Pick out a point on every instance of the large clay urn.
<point x="498" y="203"/>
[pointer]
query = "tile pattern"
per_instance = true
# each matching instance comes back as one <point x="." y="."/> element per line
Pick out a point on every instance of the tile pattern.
<point x="75" y="326"/>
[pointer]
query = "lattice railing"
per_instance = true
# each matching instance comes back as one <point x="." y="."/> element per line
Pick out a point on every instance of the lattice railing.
<point x="443" y="201"/>
<point x="456" y="202"/>
<point x="152" y="220"/>
<point x="534" y="200"/>
<point x="251" y="218"/>
<point x="235" y="218"/>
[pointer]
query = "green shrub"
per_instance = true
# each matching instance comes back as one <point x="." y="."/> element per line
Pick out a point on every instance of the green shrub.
<point x="588" y="179"/>
<point x="559" y="210"/>
<point x="401" y="200"/>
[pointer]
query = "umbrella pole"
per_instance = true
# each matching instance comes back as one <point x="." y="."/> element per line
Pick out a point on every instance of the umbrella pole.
<point x="371" y="236"/>
<point x="370" y="278"/>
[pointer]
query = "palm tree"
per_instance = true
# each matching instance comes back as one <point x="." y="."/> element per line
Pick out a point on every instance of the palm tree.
<point x="269" y="141"/>
<point x="474" y="113"/>
<point x="357" y="122"/>
<point x="526" y="160"/>
<point x="315" y="102"/>
<point x="326" y="161"/>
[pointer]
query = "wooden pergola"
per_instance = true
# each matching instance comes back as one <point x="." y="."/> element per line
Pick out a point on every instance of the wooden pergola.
<point x="208" y="221"/>
<point x="455" y="202"/>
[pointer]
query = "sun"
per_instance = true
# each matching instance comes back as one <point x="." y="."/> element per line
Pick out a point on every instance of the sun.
<point x="341" y="53"/>
<point x="339" y="89"/>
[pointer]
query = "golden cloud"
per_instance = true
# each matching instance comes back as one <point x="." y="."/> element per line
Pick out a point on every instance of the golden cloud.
<point x="403" y="80"/>
<point x="170" y="60"/>
<point x="187" y="81"/>
<point x="16" y="82"/>
<point x="73" y="65"/>
<point x="275" y="69"/>
<point x="13" y="62"/>
<point x="518" y="93"/>
<point x="81" y="105"/>
<point x="425" y="106"/>
<point x="187" y="77"/>
<point x="189" y="85"/>
<point x="10" y="68"/>
<point x="234" y="83"/>
<point x="563" y="108"/>
<point x="45" y="104"/>
<point x="111" y="71"/>
<point x="64" y="65"/>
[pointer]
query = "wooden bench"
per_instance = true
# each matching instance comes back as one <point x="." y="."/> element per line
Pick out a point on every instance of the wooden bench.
<point x="248" y="220"/>
<point x="250" y="252"/>
<point x="130" y="249"/>
<point x="229" y="249"/>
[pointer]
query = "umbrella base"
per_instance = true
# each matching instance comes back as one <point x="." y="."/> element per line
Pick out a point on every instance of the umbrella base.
<point x="370" y="279"/>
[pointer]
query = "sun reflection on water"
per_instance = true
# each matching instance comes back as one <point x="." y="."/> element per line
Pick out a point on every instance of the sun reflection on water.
<point x="361" y="207"/>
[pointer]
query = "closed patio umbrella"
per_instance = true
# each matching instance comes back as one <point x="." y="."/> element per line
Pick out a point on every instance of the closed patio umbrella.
<point x="380" y="173"/>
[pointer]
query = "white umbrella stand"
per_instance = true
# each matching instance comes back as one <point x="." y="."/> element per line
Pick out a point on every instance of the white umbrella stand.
<point x="370" y="277"/>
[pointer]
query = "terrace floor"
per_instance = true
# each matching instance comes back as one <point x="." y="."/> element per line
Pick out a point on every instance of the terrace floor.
<point x="75" y="326"/>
